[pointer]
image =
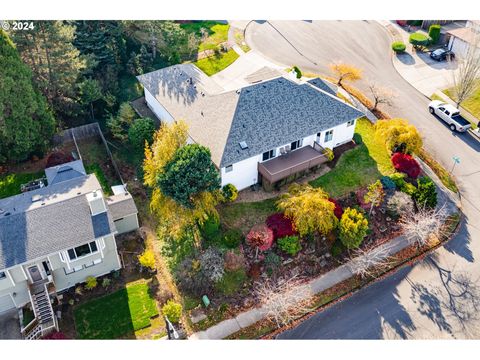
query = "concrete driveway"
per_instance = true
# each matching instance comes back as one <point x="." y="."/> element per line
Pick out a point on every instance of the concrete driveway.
<point x="439" y="297"/>
<point x="10" y="325"/>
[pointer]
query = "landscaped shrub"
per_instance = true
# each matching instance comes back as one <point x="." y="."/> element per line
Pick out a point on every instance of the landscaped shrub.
<point x="375" y="195"/>
<point x="58" y="158"/>
<point x="388" y="183"/>
<point x="106" y="282"/>
<point x="260" y="238"/>
<point x="147" y="259"/>
<point x="211" y="264"/>
<point x="298" y="72"/>
<point x="398" y="136"/>
<point x="353" y="228"/>
<point x="229" y="192"/>
<point x="414" y="22"/>
<point x="191" y="279"/>
<point x="337" y="248"/>
<point x="290" y="245"/>
<point x="141" y="130"/>
<point x="338" y="211"/>
<point x="418" y="40"/>
<point x="55" y="335"/>
<point x="234" y="260"/>
<point x="90" y="282"/>
<point x="272" y="262"/>
<point x="407" y="164"/>
<point x="398" y="46"/>
<point x="426" y="194"/>
<point x="210" y="229"/>
<point x="232" y="238"/>
<point x="280" y="225"/>
<point x="173" y="311"/>
<point x="434" y="33"/>
<point x="329" y="154"/>
<point x="357" y="139"/>
<point x="398" y="204"/>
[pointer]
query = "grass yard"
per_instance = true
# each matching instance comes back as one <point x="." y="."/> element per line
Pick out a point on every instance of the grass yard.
<point x="102" y="179"/>
<point x="243" y="215"/>
<point x="471" y="104"/>
<point x="216" y="63"/>
<point x="217" y="33"/>
<point x="10" y="184"/>
<point x="357" y="167"/>
<point x="116" y="315"/>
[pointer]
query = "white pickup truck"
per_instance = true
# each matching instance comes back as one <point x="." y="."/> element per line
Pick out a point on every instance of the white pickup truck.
<point x="450" y="114"/>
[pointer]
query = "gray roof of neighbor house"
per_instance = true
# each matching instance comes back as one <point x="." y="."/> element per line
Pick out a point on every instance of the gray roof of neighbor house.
<point x="48" y="220"/>
<point x="64" y="172"/>
<point x="265" y="115"/>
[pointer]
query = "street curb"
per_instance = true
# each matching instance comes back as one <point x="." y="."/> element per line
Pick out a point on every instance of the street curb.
<point x="408" y="262"/>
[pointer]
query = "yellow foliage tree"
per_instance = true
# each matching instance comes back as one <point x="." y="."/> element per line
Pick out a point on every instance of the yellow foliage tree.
<point x="309" y="209"/>
<point x="345" y="72"/>
<point x="147" y="259"/>
<point x="399" y="134"/>
<point x="166" y="141"/>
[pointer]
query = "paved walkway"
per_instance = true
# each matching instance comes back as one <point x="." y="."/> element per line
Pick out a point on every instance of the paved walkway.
<point x="446" y="200"/>
<point x="422" y="72"/>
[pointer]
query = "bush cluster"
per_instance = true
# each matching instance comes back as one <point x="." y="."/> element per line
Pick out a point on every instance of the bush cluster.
<point x="418" y="39"/>
<point x="434" y="33"/>
<point x="173" y="311"/>
<point x="388" y="183"/>
<point x="398" y="46"/>
<point x="426" y="193"/>
<point x="406" y="164"/>
<point x="290" y="245"/>
<point x="232" y="238"/>
<point x="353" y="228"/>
<point x="298" y="72"/>
<point x="338" y="211"/>
<point x="329" y="154"/>
<point x="280" y="225"/>
<point x="229" y="192"/>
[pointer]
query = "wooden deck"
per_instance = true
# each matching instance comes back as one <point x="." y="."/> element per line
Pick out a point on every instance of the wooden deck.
<point x="283" y="166"/>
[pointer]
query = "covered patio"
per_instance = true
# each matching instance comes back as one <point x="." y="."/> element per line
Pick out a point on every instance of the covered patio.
<point x="291" y="164"/>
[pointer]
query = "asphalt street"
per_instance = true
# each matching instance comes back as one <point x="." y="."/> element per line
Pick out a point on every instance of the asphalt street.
<point x="440" y="296"/>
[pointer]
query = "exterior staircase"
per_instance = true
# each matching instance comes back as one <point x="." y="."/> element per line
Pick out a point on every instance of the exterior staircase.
<point x="44" y="321"/>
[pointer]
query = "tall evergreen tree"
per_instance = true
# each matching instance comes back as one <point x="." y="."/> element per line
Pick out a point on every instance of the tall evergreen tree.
<point x="26" y="124"/>
<point x="56" y="64"/>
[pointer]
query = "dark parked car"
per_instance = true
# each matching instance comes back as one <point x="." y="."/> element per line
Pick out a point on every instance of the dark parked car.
<point x="442" y="54"/>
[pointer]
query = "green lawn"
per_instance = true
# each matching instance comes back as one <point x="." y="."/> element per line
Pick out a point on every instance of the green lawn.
<point x="217" y="33"/>
<point x="357" y="167"/>
<point x="102" y="179"/>
<point x="10" y="184"/>
<point x="216" y="63"/>
<point x="243" y="215"/>
<point x="471" y="104"/>
<point x="116" y="315"/>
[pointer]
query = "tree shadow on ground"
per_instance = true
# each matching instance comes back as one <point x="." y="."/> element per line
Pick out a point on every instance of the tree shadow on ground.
<point x="406" y="58"/>
<point x="460" y="243"/>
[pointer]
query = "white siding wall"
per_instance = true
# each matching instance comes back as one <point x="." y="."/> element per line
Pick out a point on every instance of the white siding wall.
<point x="126" y="224"/>
<point x="458" y="46"/>
<point x="245" y="172"/>
<point x="157" y="108"/>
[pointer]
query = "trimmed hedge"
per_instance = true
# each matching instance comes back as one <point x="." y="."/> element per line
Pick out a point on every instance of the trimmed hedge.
<point x="434" y="33"/>
<point x="398" y="46"/>
<point x="418" y="39"/>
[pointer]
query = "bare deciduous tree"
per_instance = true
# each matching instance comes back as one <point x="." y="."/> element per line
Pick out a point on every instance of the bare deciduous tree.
<point x="364" y="262"/>
<point x="419" y="227"/>
<point x="284" y="301"/>
<point x="467" y="78"/>
<point x="381" y="95"/>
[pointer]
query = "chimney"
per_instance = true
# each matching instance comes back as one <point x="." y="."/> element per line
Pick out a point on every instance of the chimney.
<point x="96" y="202"/>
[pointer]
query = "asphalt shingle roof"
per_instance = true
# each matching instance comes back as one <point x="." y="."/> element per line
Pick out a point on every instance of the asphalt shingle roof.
<point x="63" y="221"/>
<point x="121" y="205"/>
<point x="278" y="112"/>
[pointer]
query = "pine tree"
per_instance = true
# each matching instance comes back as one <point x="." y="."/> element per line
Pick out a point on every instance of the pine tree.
<point x="56" y="64"/>
<point x="26" y="124"/>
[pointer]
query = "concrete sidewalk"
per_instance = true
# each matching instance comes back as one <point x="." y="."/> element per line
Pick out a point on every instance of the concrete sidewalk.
<point x="422" y="72"/>
<point x="447" y="200"/>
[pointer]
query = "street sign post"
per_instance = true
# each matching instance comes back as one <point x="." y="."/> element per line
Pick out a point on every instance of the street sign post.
<point x="456" y="160"/>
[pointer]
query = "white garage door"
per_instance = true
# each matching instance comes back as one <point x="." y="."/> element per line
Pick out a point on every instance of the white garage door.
<point x="6" y="303"/>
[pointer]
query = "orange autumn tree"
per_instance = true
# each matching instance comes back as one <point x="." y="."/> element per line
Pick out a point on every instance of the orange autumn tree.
<point x="345" y="72"/>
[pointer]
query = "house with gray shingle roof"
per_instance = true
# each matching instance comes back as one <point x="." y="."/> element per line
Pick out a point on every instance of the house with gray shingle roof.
<point x="56" y="236"/>
<point x="265" y="132"/>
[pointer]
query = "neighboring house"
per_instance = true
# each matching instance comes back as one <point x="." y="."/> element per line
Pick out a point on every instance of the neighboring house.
<point x="262" y="133"/>
<point x="463" y="38"/>
<point x="55" y="237"/>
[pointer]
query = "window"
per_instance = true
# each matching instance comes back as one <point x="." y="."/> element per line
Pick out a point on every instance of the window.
<point x="447" y="112"/>
<point x="229" y="168"/>
<point x="350" y="123"/>
<point x="3" y="275"/>
<point x="329" y="135"/>
<point x="268" y="155"/>
<point x="82" y="250"/>
<point x="296" y="144"/>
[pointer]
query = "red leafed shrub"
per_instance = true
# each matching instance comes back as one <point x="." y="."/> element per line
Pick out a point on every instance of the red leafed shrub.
<point x="58" y="158"/>
<point x="407" y="164"/>
<point x="56" y="335"/>
<point x="280" y="225"/>
<point x="260" y="237"/>
<point x="360" y="194"/>
<point x="338" y="211"/>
